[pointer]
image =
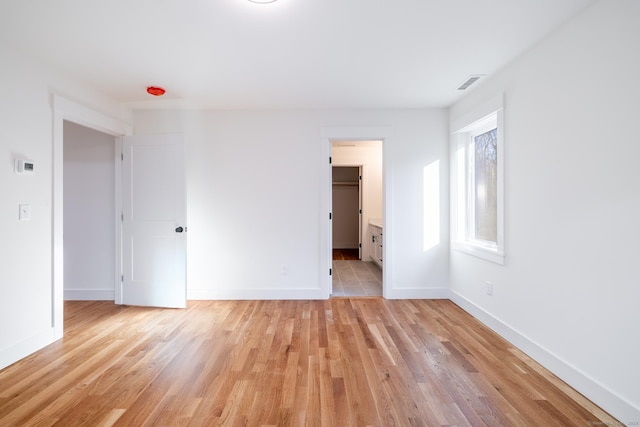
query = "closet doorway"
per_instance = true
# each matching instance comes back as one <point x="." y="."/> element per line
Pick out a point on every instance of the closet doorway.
<point x="347" y="212"/>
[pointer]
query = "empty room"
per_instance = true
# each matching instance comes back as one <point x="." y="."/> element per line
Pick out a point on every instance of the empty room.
<point x="168" y="197"/>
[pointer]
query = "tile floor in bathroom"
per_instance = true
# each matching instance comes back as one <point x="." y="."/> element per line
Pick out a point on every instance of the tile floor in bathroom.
<point x="353" y="278"/>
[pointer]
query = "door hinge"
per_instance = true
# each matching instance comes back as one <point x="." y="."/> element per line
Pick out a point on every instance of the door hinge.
<point x="121" y="216"/>
<point x="329" y="159"/>
<point x="359" y="245"/>
<point x="330" y="272"/>
<point x="360" y="177"/>
<point x="122" y="278"/>
<point x="122" y="157"/>
<point x="360" y="211"/>
<point x="330" y="216"/>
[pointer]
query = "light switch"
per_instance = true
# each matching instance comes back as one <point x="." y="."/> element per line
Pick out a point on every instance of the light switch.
<point x="25" y="212"/>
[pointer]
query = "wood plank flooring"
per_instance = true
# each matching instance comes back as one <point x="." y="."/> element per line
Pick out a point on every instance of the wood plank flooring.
<point x="346" y="254"/>
<point x="341" y="362"/>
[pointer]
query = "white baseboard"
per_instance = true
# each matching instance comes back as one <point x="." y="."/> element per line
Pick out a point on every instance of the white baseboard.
<point x="257" y="294"/>
<point x="416" y="293"/>
<point x="22" y="349"/>
<point x="306" y="294"/>
<point x="580" y="381"/>
<point x="89" y="295"/>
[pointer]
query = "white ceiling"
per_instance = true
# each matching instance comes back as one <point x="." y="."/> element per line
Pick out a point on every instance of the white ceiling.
<point x="233" y="54"/>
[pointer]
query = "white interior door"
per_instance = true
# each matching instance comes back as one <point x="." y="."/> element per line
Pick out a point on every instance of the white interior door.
<point x="154" y="245"/>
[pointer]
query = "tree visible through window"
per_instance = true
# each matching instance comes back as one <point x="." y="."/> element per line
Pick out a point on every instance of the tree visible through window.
<point x="486" y="185"/>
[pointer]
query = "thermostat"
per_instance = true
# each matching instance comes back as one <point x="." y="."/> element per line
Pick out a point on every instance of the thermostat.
<point x="24" y="166"/>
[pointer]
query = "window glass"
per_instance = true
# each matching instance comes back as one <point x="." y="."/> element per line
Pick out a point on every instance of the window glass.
<point x="486" y="186"/>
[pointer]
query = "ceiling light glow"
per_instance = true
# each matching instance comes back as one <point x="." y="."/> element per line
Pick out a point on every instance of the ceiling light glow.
<point x="262" y="1"/>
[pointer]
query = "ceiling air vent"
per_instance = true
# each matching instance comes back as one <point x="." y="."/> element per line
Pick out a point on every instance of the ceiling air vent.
<point x="470" y="80"/>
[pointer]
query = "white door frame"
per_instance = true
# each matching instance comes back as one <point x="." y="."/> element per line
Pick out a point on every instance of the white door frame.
<point x="361" y="200"/>
<point x="64" y="109"/>
<point x="356" y="133"/>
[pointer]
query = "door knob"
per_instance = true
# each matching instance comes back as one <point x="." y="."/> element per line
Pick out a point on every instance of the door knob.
<point x="179" y="230"/>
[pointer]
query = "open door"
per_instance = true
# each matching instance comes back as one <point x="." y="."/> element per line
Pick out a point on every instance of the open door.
<point x="360" y="228"/>
<point x="154" y="245"/>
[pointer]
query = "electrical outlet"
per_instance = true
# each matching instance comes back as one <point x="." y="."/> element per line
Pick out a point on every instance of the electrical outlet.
<point x="284" y="270"/>
<point x="489" y="288"/>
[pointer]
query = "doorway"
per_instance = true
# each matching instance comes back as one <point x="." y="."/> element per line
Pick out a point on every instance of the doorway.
<point x="65" y="110"/>
<point x="356" y="203"/>
<point x="89" y="204"/>
<point x="101" y="183"/>
<point x="347" y="212"/>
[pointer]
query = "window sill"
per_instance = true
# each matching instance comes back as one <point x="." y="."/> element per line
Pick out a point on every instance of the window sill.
<point x="479" y="251"/>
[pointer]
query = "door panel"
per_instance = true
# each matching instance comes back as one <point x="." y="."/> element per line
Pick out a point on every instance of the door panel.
<point x="154" y="206"/>
<point x="152" y="183"/>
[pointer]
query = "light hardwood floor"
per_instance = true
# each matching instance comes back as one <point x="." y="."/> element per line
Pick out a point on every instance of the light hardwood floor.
<point x="341" y="362"/>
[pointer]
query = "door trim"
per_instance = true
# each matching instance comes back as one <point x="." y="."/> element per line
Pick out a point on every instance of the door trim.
<point x="64" y="109"/>
<point x="354" y="133"/>
<point x="360" y="207"/>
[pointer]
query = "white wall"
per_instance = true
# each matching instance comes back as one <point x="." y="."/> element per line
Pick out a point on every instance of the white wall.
<point x="568" y="293"/>
<point x="89" y="214"/>
<point x="26" y="251"/>
<point x="369" y="155"/>
<point x="254" y="183"/>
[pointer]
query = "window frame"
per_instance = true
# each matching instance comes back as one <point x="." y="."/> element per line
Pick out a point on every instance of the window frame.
<point x="463" y="194"/>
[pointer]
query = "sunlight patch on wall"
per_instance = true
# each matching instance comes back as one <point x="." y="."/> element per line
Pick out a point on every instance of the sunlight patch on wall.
<point x="431" y="208"/>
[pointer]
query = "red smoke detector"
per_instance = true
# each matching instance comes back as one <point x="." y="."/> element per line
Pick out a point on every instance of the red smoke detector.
<point x="155" y="91"/>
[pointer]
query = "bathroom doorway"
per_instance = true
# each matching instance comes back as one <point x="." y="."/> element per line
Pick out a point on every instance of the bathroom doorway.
<point x="357" y="202"/>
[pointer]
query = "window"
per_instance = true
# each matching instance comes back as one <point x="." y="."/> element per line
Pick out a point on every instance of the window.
<point x="478" y="183"/>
